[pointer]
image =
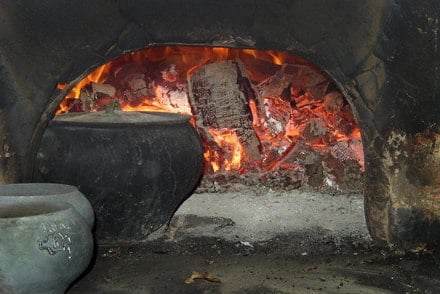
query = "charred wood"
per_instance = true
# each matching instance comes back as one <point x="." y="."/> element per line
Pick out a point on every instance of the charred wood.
<point x="220" y="95"/>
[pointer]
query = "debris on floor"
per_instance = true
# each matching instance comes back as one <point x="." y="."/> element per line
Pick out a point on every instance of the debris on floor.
<point x="201" y="276"/>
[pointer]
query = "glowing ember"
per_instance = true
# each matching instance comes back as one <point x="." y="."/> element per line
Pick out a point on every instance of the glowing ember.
<point x="289" y="101"/>
<point x="227" y="140"/>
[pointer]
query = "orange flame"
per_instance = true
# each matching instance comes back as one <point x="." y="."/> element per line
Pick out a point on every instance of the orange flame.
<point x="213" y="158"/>
<point x="95" y="77"/>
<point x="61" y="86"/>
<point x="176" y="63"/>
<point x="227" y="140"/>
<point x="193" y="57"/>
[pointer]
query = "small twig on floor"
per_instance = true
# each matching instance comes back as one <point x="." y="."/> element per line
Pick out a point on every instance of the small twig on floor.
<point x="206" y="276"/>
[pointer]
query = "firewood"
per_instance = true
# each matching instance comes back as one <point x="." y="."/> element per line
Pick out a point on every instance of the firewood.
<point x="220" y="94"/>
<point x="333" y="101"/>
<point x="99" y="90"/>
<point x="302" y="77"/>
<point x="315" y="131"/>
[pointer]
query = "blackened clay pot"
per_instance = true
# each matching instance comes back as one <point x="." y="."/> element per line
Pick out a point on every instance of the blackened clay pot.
<point x="35" y="192"/>
<point x="135" y="168"/>
<point x="44" y="246"/>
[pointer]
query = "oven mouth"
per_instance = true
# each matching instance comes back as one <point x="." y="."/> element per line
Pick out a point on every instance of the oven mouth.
<point x="261" y="138"/>
<point x="391" y="88"/>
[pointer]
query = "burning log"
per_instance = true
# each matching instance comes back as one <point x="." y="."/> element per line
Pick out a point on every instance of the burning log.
<point x="277" y="112"/>
<point x="333" y="101"/>
<point x="221" y="97"/>
<point x="315" y="131"/>
<point x="256" y="113"/>
<point x="102" y="90"/>
<point x="299" y="77"/>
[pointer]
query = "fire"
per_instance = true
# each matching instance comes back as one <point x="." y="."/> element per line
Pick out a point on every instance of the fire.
<point x="93" y="77"/>
<point x="294" y="103"/>
<point x="227" y="140"/>
<point x="190" y="58"/>
<point x="212" y="158"/>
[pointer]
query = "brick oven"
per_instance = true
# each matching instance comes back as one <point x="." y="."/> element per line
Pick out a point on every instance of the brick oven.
<point x="381" y="55"/>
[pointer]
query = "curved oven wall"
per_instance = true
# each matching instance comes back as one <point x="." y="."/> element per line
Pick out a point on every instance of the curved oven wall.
<point x="380" y="53"/>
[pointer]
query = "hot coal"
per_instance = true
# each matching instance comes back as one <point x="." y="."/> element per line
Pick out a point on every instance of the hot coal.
<point x="306" y="168"/>
<point x="263" y="114"/>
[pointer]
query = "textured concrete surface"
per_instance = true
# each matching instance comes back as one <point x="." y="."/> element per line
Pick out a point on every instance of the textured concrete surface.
<point x="255" y="218"/>
<point x="134" y="270"/>
<point x="289" y="242"/>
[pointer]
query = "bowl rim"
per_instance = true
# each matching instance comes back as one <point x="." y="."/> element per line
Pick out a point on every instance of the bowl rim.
<point x="27" y="210"/>
<point x="35" y="189"/>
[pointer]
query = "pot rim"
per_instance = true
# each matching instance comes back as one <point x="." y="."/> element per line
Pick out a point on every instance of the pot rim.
<point x="120" y="118"/>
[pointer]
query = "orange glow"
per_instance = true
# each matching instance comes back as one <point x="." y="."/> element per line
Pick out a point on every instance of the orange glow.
<point x="155" y="79"/>
<point x="194" y="57"/>
<point x="229" y="141"/>
<point x="250" y="52"/>
<point x="356" y="134"/>
<point x="94" y="77"/>
<point x="254" y="111"/>
<point x="277" y="58"/>
<point x="61" y="86"/>
<point x="212" y="158"/>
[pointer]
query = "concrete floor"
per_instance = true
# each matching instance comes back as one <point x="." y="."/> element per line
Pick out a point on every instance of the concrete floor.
<point x="273" y="242"/>
<point x="147" y="272"/>
<point x="256" y="218"/>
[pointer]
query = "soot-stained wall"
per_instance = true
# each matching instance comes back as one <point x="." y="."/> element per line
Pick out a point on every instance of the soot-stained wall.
<point x="384" y="55"/>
